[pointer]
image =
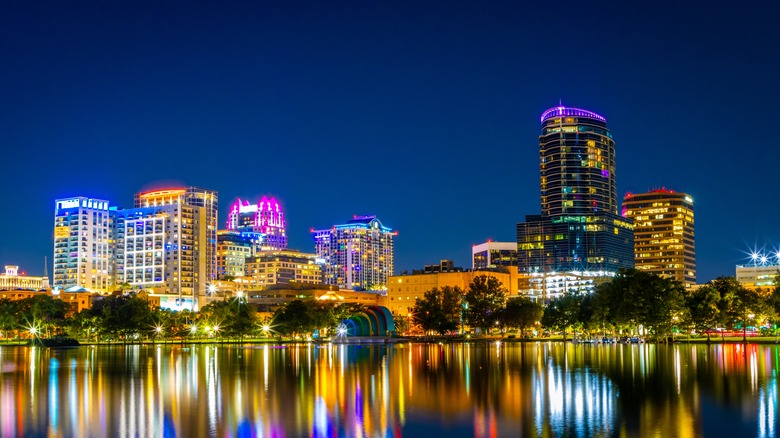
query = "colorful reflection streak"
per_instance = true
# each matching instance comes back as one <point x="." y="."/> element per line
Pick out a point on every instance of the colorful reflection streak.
<point x="464" y="390"/>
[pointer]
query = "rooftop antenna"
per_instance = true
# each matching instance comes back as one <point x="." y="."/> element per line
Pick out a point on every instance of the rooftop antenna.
<point x="560" y="102"/>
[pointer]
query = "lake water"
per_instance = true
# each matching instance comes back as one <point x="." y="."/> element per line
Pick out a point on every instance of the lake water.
<point x="451" y="390"/>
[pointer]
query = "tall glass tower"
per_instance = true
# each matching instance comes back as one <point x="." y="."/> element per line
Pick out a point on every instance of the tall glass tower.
<point x="577" y="163"/>
<point x="579" y="229"/>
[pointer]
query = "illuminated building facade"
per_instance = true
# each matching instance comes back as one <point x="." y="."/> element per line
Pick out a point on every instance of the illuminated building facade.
<point x="493" y="254"/>
<point x="266" y="218"/>
<point x="579" y="229"/>
<point x="403" y="290"/>
<point x="233" y="248"/>
<point x="12" y="280"/>
<point x="83" y="244"/>
<point x="195" y="197"/>
<point x="358" y="255"/>
<point x="282" y="266"/>
<point x="160" y="248"/>
<point x="663" y="233"/>
<point x="761" y="271"/>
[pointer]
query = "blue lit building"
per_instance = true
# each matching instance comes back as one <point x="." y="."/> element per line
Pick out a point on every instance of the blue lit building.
<point x="357" y="255"/>
<point x="83" y="250"/>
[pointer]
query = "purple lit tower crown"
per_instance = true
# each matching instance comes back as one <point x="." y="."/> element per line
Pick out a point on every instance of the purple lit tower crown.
<point x="265" y="217"/>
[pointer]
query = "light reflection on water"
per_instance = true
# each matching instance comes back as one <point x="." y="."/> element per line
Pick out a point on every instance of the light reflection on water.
<point x="474" y="390"/>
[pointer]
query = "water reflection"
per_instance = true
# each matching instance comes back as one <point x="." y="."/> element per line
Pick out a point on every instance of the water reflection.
<point x="470" y="390"/>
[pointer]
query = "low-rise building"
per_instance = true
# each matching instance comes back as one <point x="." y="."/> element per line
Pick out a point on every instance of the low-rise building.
<point x="493" y="254"/>
<point x="13" y="280"/>
<point x="282" y="266"/>
<point x="403" y="290"/>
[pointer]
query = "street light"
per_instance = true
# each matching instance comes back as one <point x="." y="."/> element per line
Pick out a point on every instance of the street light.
<point x="744" y="327"/>
<point x="674" y="329"/>
<point x="157" y="331"/>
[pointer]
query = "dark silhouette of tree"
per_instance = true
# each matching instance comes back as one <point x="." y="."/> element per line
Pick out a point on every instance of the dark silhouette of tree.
<point x="703" y="311"/>
<point x="521" y="313"/>
<point x="562" y="313"/>
<point x="485" y="298"/>
<point x="439" y="310"/>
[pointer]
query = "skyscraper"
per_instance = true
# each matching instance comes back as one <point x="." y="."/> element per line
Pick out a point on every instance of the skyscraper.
<point x="160" y="249"/>
<point x="83" y="244"/>
<point x="265" y="217"/>
<point x="193" y="196"/>
<point x="579" y="229"/>
<point x="663" y="233"/>
<point x="358" y="255"/>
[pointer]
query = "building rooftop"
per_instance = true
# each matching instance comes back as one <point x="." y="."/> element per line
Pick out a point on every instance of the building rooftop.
<point x="559" y="111"/>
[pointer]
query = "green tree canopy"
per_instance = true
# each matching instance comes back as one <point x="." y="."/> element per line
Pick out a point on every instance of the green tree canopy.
<point x="562" y="313"/>
<point x="439" y="310"/>
<point x="521" y="313"/>
<point x="485" y="298"/>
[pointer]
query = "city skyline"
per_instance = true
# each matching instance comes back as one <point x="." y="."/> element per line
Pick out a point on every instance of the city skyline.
<point x="382" y="109"/>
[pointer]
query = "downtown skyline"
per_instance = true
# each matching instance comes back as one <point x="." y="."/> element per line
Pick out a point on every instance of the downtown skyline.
<point x="431" y="124"/>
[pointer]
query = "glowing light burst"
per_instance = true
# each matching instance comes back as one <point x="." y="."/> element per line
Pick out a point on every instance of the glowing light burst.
<point x="763" y="257"/>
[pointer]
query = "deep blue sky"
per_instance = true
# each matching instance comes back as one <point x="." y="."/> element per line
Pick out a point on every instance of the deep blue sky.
<point x="426" y="115"/>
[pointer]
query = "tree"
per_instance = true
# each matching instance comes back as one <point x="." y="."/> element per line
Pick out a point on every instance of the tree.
<point x="738" y="306"/>
<point x="562" y="312"/>
<point x="703" y="309"/>
<point x="8" y="317"/>
<point x="522" y="313"/>
<point x="42" y="312"/>
<point x="485" y="298"/>
<point x="295" y="318"/>
<point x="439" y="310"/>
<point x="636" y="298"/>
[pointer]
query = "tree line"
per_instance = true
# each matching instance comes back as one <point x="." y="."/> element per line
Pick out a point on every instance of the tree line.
<point x="130" y="318"/>
<point x="632" y="302"/>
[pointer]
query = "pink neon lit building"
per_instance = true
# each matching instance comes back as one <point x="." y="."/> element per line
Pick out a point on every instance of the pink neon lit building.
<point x="265" y="217"/>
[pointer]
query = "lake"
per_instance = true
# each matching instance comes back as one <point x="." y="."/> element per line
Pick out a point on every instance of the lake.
<point x="452" y="390"/>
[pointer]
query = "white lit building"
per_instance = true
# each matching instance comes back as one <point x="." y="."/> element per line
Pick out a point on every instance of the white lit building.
<point x="493" y="254"/>
<point x="543" y="287"/>
<point x="761" y="271"/>
<point x="195" y="197"/>
<point x="12" y="280"/>
<point x="83" y="244"/>
<point x="357" y="255"/>
<point x="161" y="249"/>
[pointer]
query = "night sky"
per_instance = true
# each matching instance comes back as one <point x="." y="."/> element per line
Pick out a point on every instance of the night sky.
<point x="426" y="115"/>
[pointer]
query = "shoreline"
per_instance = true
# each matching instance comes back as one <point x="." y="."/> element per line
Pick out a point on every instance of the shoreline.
<point x="405" y="340"/>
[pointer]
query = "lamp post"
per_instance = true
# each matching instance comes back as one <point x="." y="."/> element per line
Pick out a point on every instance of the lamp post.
<point x="744" y="327"/>
<point x="157" y="331"/>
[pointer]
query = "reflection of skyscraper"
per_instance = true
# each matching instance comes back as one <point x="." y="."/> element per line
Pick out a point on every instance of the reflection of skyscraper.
<point x="579" y="228"/>
<point x="663" y="233"/>
<point x="266" y="217"/>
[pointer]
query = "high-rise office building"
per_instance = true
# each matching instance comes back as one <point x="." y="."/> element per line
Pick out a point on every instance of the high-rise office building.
<point x="83" y="244"/>
<point x="357" y="255"/>
<point x="579" y="229"/>
<point x="193" y="196"/>
<point x="663" y="233"/>
<point x="160" y="248"/>
<point x="266" y="217"/>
